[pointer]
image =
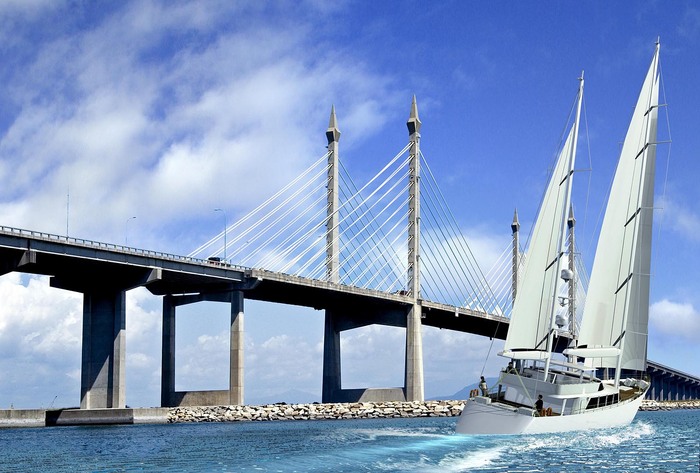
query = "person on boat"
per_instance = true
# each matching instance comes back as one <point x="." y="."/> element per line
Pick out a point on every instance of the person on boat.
<point x="539" y="405"/>
<point x="484" y="388"/>
<point x="510" y="368"/>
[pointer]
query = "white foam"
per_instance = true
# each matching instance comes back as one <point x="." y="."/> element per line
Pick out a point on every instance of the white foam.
<point x="469" y="460"/>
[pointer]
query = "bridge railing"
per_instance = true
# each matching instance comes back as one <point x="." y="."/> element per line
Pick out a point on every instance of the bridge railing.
<point x="114" y="247"/>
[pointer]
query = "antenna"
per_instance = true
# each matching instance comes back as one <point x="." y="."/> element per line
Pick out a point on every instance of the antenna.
<point x="67" y="209"/>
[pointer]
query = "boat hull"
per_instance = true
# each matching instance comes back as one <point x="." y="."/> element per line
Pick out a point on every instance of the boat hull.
<point x="480" y="417"/>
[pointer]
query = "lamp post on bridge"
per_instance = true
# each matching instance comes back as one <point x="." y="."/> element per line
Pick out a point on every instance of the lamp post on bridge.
<point x="225" y="229"/>
<point x="126" y="231"/>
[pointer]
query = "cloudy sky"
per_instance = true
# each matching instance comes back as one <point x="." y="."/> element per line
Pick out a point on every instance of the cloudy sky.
<point x="166" y="110"/>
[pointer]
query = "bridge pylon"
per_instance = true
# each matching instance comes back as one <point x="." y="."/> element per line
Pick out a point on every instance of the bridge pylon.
<point x="343" y="318"/>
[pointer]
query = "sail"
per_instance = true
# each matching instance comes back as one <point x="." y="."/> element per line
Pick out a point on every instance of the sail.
<point x="617" y="304"/>
<point x="531" y="318"/>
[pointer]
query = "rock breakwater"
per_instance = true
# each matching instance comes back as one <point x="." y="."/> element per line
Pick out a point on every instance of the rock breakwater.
<point x="651" y="405"/>
<point x="358" y="410"/>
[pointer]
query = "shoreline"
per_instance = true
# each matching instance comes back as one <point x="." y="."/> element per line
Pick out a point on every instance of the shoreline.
<point x="651" y="405"/>
<point x="260" y="413"/>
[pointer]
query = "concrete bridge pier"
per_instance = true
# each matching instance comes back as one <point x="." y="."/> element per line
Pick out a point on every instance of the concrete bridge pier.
<point x="103" y="375"/>
<point x="338" y="321"/>
<point x="234" y="394"/>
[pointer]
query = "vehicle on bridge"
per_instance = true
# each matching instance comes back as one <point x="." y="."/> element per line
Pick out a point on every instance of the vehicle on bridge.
<point x="543" y="392"/>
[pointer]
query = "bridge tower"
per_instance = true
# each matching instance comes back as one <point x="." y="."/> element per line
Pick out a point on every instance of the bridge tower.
<point x="515" y="229"/>
<point x="338" y="319"/>
<point x="332" y="222"/>
<point x="414" y="341"/>
<point x="331" y="385"/>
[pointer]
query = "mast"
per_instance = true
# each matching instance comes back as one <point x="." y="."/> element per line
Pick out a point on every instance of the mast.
<point x="561" y="236"/>
<point x="515" y="229"/>
<point x="572" y="281"/>
<point x="531" y="332"/>
<point x="639" y="262"/>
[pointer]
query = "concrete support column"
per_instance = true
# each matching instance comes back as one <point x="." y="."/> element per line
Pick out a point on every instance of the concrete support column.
<point x="331" y="359"/>
<point x="515" y="268"/>
<point x="167" y="380"/>
<point x="102" y="383"/>
<point x="234" y="394"/>
<point x="236" y="363"/>
<point x="332" y="219"/>
<point x="413" y="388"/>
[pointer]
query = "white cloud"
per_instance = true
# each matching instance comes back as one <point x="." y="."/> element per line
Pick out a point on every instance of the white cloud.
<point x="680" y="218"/>
<point x="675" y="319"/>
<point x="133" y="122"/>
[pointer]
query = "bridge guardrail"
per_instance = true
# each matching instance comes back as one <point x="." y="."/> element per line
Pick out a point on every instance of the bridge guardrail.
<point x="114" y="247"/>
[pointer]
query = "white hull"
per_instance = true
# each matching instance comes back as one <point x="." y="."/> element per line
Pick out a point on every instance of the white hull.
<point x="480" y="417"/>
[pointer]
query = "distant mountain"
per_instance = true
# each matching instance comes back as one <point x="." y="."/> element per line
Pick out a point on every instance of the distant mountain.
<point x="293" y="396"/>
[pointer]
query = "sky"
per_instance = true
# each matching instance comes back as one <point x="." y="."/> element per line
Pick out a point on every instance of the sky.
<point x="130" y="121"/>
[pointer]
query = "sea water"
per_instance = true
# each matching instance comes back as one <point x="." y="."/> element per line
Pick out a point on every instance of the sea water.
<point x="654" y="442"/>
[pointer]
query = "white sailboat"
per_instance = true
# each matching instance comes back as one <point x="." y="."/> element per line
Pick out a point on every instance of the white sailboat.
<point x="613" y="332"/>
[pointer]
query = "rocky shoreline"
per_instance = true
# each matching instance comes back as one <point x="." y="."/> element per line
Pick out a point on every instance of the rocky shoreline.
<point x="358" y="410"/>
<point x="650" y="405"/>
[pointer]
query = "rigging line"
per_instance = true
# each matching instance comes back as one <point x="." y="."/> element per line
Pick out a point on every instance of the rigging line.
<point x="287" y="211"/>
<point x="352" y="244"/>
<point x="439" y="263"/>
<point x="287" y="252"/>
<point x="394" y="266"/>
<point x="500" y="280"/>
<point x="441" y="229"/>
<point x="448" y="246"/>
<point x="552" y="166"/>
<point x="375" y="191"/>
<point x="368" y="210"/>
<point x="283" y="229"/>
<point x="428" y="291"/>
<point x="379" y="227"/>
<point x="254" y="211"/>
<point x="388" y="219"/>
<point x="437" y="292"/>
<point x="346" y="178"/>
<point x="299" y="241"/>
<point x="270" y="225"/>
<point x="283" y="205"/>
<point x="393" y="160"/>
<point x="395" y="285"/>
<point x="427" y="166"/>
<point x="376" y="202"/>
<point x="316" y="204"/>
<point x="313" y="204"/>
<point x="399" y="275"/>
<point x="668" y="155"/>
<point x="389" y="247"/>
<point x="590" y="166"/>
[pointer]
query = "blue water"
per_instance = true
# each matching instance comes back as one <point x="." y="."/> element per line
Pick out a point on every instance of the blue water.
<point x="655" y="441"/>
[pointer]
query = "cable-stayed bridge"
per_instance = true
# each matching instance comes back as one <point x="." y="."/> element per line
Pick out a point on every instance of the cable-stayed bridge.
<point x="386" y="252"/>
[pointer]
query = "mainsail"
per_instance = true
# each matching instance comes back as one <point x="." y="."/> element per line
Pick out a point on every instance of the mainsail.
<point x="617" y="303"/>
<point x="531" y="318"/>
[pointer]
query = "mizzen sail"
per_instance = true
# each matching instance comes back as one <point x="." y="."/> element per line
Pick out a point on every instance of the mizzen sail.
<point x="617" y="304"/>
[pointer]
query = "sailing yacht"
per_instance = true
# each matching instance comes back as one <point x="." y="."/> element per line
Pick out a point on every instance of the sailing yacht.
<point x="544" y="391"/>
